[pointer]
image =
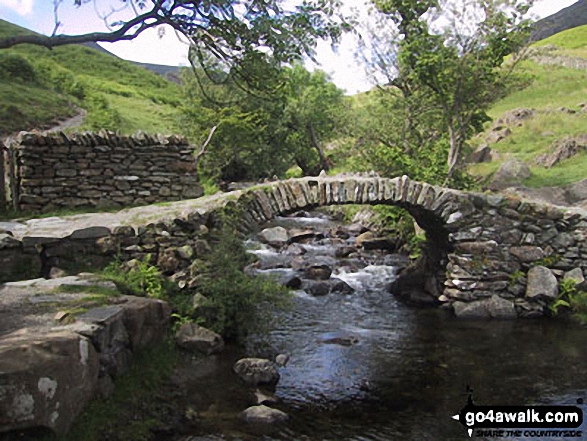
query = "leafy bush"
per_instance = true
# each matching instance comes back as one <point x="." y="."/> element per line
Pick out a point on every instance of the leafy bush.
<point x="14" y="67"/>
<point x="139" y="278"/>
<point x="240" y="301"/>
<point x="572" y="299"/>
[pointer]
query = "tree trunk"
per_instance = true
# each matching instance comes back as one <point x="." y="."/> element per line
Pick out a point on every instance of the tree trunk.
<point x="323" y="161"/>
<point x="453" y="153"/>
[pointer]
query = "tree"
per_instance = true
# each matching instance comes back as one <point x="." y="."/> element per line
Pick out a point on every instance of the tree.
<point x="260" y="135"/>
<point x="313" y="109"/>
<point x="232" y="30"/>
<point x="457" y="67"/>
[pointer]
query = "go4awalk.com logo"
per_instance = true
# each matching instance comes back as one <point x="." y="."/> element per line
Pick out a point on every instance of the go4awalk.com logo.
<point x="520" y="421"/>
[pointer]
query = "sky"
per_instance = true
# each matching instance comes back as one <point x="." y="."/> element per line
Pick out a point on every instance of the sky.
<point x="152" y="47"/>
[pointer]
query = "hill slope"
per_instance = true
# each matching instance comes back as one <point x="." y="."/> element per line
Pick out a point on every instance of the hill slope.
<point x="555" y="113"/>
<point x="567" y="18"/>
<point x="117" y="94"/>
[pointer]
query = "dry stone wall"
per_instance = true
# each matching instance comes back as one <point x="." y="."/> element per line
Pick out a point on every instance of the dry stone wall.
<point x="102" y="170"/>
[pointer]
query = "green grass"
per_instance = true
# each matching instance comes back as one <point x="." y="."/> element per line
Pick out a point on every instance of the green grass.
<point x="574" y="38"/>
<point x="25" y="106"/>
<point x="551" y="87"/>
<point x="136" y="99"/>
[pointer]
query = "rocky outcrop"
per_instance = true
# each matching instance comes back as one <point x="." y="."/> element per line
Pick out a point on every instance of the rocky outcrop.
<point x="49" y="369"/>
<point x="511" y="173"/>
<point x="45" y="380"/>
<point x="563" y="149"/>
<point x="102" y="170"/>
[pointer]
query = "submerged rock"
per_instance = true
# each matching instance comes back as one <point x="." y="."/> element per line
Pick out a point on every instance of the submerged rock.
<point x="342" y="340"/>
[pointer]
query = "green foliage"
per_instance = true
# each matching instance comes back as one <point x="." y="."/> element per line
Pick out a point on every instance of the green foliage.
<point x="139" y="279"/>
<point x="516" y="276"/>
<point x="262" y="134"/>
<point x="17" y="68"/>
<point x="55" y="76"/>
<point x="117" y="94"/>
<point x="241" y="302"/>
<point x="572" y="299"/>
<point x="548" y="261"/>
<point x="443" y="82"/>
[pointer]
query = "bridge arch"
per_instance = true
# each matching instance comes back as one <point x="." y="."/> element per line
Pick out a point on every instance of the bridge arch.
<point x="481" y="247"/>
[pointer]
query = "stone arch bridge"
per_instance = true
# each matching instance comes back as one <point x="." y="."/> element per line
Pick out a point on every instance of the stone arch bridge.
<point x="486" y="255"/>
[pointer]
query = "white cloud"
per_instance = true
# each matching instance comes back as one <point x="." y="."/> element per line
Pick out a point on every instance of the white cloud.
<point x="21" y="7"/>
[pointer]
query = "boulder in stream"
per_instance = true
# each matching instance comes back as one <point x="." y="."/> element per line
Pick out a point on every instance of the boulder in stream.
<point x="275" y="237"/>
<point x="264" y="415"/>
<point x="255" y="371"/>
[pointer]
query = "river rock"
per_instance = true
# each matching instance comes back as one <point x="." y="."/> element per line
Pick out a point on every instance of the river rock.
<point x="301" y="236"/>
<point x="494" y="307"/>
<point x="340" y="286"/>
<point x="263" y="415"/>
<point x="378" y="243"/>
<point x="264" y="397"/>
<point x="45" y="379"/>
<point x="318" y="289"/>
<point x="196" y="338"/>
<point x="318" y="271"/>
<point x="343" y="252"/>
<point x="255" y="371"/>
<point x="281" y="360"/>
<point x="542" y="284"/>
<point x="341" y="340"/>
<point x="275" y="237"/>
<point x="291" y="281"/>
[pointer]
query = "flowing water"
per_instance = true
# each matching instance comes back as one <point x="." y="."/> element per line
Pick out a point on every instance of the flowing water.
<point x="365" y="367"/>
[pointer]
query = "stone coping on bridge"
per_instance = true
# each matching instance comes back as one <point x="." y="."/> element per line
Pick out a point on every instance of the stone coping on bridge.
<point x="63" y="226"/>
<point x="480" y="245"/>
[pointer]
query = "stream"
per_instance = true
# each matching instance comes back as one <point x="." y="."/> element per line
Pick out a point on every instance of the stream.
<point x="364" y="366"/>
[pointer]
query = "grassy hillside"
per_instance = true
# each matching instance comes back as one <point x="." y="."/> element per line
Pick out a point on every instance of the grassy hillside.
<point x="117" y="94"/>
<point x="556" y="93"/>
